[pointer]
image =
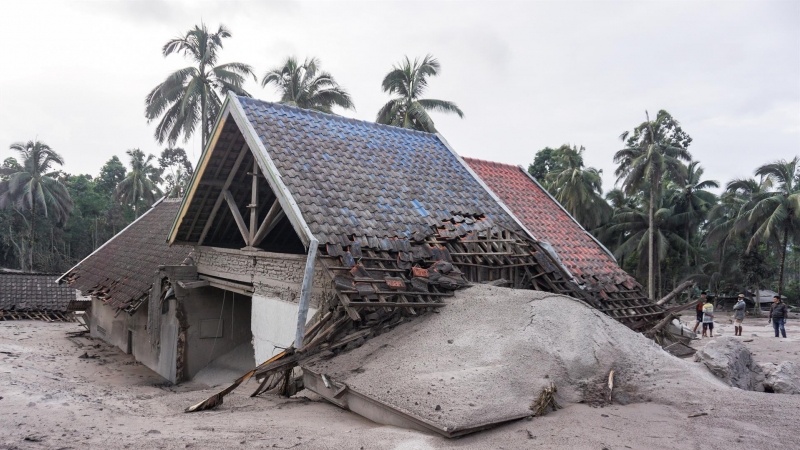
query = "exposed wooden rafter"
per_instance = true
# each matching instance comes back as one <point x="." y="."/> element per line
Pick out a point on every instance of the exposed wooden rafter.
<point x="218" y="203"/>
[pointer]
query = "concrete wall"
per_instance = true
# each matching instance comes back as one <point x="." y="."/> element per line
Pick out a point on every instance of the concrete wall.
<point x="114" y="330"/>
<point x="210" y="304"/>
<point x="274" y="323"/>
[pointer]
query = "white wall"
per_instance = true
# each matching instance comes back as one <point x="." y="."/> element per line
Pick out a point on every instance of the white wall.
<point x="273" y="324"/>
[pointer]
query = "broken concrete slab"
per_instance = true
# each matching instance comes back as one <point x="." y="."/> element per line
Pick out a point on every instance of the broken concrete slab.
<point x="730" y="360"/>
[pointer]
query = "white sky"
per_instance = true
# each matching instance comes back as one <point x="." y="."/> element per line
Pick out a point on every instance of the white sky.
<point x="526" y="74"/>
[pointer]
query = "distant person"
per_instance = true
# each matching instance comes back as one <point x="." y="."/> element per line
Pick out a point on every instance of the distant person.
<point x="738" y="315"/>
<point x="777" y="314"/>
<point x="708" y="318"/>
<point x="699" y="311"/>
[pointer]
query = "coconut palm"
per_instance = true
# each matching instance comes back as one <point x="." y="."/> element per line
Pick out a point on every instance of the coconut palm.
<point x="141" y="182"/>
<point x="693" y="201"/>
<point x="408" y="81"/>
<point x="306" y="86"/>
<point x="652" y="152"/>
<point x="579" y="189"/>
<point x="33" y="186"/>
<point x="636" y="229"/>
<point x="193" y="94"/>
<point x="775" y="214"/>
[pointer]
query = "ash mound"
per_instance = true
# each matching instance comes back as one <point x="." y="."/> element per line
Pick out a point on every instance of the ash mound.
<point x="485" y="358"/>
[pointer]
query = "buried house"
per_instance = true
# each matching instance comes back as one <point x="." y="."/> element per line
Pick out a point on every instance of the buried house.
<point x="310" y="231"/>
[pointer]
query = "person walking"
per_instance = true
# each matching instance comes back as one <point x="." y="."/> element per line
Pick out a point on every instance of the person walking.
<point x="777" y="314"/>
<point x="699" y="311"/>
<point x="708" y="318"/>
<point x="738" y="315"/>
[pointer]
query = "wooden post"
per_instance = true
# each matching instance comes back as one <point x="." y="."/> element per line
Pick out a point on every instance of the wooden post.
<point x="253" y="205"/>
<point x="305" y="294"/>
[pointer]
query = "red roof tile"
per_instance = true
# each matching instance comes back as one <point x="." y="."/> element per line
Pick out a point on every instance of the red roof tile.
<point x="544" y="217"/>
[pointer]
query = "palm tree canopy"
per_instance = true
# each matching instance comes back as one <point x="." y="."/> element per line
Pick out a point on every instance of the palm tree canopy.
<point x="579" y="189"/>
<point x="653" y="150"/>
<point x="193" y="94"/>
<point x="34" y="185"/>
<point x="306" y="86"/>
<point x="773" y="213"/>
<point x="408" y="82"/>
<point x="141" y="182"/>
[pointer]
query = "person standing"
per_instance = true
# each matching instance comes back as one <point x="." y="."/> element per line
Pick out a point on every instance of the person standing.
<point x="699" y="311"/>
<point x="777" y="314"/>
<point x="738" y="315"/>
<point x="708" y="318"/>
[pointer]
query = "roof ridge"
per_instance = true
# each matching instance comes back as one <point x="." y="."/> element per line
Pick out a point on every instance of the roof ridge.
<point x="335" y="116"/>
<point x="493" y="163"/>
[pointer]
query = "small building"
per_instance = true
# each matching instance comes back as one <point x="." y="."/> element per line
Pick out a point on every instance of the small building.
<point x="38" y="296"/>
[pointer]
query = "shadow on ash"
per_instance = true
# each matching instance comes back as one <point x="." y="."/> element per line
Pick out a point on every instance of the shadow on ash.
<point x="488" y="358"/>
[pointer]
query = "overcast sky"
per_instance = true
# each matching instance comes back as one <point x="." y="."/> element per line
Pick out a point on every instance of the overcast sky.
<point x="526" y="74"/>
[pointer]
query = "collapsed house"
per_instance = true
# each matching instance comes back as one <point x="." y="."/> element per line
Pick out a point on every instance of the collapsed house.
<point x="37" y="296"/>
<point x="588" y="261"/>
<point x="328" y="231"/>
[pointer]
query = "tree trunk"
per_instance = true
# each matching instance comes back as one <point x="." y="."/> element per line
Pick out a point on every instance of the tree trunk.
<point x="203" y="119"/>
<point x="135" y="202"/>
<point x="783" y="256"/>
<point x="756" y="299"/>
<point x="687" y="248"/>
<point x="32" y="235"/>
<point x="651" y="276"/>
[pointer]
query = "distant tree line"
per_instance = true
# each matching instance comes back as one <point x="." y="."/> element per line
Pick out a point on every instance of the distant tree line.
<point x="665" y="225"/>
<point x="49" y="219"/>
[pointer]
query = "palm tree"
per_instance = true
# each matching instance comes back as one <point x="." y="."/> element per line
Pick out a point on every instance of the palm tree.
<point x="192" y="94"/>
<point x="34" y="186"/>
<point x="306" y="86"/>
<point x="140" y="184"/>
<point x="733" y="204"/>
<point x="693" y="201"/>
<point x="650" y="153"/>
<point x="579" y="189"/>
<point x="636" y="229"/>
<point x="408" y="82"/>
<point x="775" y="215"/>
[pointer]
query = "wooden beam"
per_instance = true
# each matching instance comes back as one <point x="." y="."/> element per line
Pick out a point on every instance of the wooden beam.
<point x="395" y="305"/>
<point x="253" y="206"/>
<point x="237" y="216"/>
<point x="274" y="215"/>
<point x="218" y="203"/>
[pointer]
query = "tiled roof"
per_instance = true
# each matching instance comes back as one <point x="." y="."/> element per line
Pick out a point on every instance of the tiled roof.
<point x="351" y="177"/>
<point x="121" y="271"/>
<point x="33" y="291"/>
<point x="544" y="217"/>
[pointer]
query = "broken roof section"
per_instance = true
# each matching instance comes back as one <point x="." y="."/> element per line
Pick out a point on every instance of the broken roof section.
<point x="589" y="262"/>
<point x="121" y="271"/>
<point x="21" y="291"/>
<point x="336" y="177"/>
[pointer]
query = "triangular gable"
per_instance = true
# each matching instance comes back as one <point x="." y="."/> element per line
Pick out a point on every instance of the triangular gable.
<point x="234" y="147"/>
